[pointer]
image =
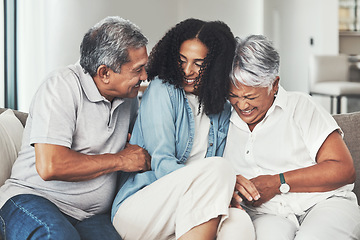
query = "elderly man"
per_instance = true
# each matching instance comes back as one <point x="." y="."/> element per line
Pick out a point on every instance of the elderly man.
<point x="75" y="140"/>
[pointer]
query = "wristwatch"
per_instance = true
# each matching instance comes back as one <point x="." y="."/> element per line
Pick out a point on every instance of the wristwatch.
<point x="284" y="187"/>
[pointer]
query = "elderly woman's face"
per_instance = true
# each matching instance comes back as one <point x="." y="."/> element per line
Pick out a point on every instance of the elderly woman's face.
<point x="192" y="56"/>
<point x="252" y="103"/>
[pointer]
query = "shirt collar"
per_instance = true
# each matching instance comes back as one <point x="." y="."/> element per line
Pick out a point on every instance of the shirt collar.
<point x="280" y="100"/>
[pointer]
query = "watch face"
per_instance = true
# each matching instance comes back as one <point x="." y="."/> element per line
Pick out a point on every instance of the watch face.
<point x="284" y="188"/>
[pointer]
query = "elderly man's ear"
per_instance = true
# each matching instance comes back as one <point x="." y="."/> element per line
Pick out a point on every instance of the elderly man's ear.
<point x="103" y="73"/>
<point x="276" y="84"/>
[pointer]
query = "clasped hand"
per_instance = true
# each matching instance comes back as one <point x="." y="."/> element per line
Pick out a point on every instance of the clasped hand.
<point x="255" y="191"/>
<point x="137" y="159"/>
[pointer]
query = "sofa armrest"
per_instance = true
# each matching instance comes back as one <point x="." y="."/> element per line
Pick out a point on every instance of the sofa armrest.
<point x="22" y="116"/>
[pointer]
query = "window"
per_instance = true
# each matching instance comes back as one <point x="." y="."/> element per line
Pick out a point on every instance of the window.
<point x="10" y="54"/>
<point x="349" y="15"/>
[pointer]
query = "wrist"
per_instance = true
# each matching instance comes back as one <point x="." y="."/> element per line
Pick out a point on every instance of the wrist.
<point x="284" y="186"/>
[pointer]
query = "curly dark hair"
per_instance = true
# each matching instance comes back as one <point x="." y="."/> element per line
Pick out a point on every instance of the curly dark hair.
<point x="212" y="90"/>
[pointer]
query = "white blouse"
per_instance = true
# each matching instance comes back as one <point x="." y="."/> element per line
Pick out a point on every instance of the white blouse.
<point x="202" y="126"/>
<point x="288" y="138"/>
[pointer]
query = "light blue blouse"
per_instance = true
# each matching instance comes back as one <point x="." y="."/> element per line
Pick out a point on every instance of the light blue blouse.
<point x="165" y="128"/>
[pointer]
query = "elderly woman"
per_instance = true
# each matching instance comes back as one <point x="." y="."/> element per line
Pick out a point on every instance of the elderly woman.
<point x="295" y="174"/>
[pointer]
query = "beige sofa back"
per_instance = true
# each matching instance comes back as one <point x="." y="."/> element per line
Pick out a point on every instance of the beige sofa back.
<point x="349" y="123"/>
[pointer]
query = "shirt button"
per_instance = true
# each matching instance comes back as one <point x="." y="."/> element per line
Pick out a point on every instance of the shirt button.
<point x="211" y="122"/>
<point x="211" y="144"/>
<point x="247" y="152"/>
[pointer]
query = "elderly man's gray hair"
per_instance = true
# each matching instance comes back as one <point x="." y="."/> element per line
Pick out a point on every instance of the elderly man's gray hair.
<point x="107" y="43"/>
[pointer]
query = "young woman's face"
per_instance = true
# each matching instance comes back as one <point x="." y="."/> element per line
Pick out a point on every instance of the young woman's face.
<point x="192" y="56"/>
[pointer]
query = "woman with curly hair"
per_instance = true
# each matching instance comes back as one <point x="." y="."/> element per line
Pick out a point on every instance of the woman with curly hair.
<point x="182" y="122"/>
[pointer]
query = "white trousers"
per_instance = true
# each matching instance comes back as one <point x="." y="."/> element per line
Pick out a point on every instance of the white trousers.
<point x="336" y="218"/>
<point x="238" y="226"/>
<point x="179" y="201"/>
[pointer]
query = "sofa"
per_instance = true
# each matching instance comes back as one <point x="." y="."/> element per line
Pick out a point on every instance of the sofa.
<point x="12" y="123"/>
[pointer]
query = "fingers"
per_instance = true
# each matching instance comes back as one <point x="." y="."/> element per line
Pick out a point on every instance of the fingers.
<point x="136" y="158"/>
<point x="246" y="188"/>
<point x="236" y="200"/>
<point x="248" y="192"/>
<point x="144" y="158"/>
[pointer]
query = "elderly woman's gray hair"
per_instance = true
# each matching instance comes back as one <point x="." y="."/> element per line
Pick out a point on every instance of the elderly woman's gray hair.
<point x="256" y="62"/>
<point x="107" y="43"/>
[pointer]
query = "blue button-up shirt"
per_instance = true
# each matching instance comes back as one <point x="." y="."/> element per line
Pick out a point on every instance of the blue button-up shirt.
<point x="165" y="128"/>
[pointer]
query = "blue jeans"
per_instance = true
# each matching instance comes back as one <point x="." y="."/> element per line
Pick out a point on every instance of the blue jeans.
<point x="33" y="217"/>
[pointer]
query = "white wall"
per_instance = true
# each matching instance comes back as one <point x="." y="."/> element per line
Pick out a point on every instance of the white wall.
<point x="50" y="31"/>
<point x="291" y="24"/>
<point x="244" y="17"/>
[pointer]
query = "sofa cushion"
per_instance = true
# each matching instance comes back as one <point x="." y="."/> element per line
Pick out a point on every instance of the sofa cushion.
<point x="350" y="124"/>
<point x="11" y="131"/>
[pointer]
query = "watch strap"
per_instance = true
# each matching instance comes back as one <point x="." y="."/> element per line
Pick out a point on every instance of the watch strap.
<point x="282" y="178"/>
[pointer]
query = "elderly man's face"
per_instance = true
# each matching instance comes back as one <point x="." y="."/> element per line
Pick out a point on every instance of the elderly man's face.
<point x="126" y="84"/>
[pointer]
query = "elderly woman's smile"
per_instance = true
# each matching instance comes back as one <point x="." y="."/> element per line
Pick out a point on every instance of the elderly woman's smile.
<point x="247" y="112"/>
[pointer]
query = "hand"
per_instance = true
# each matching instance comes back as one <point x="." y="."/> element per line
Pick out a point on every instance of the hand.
<point x="135" y="159"/>
<point x="268" y="187"/>
<point x="245" y="190"/>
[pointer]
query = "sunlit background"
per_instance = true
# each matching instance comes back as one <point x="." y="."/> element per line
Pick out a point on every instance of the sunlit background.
<point x="47" y="33"/>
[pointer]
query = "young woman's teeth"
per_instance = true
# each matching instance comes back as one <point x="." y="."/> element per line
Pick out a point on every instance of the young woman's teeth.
<point x="189" y="80"/>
